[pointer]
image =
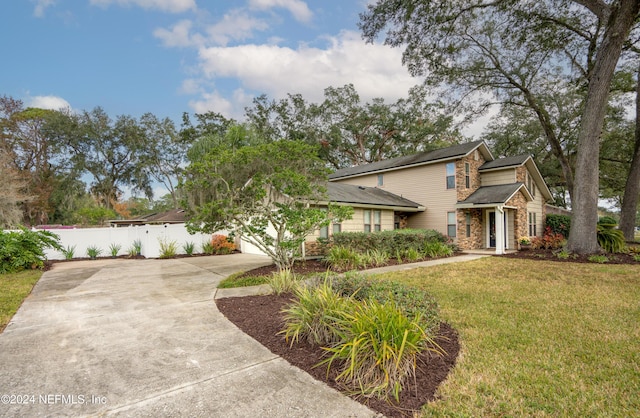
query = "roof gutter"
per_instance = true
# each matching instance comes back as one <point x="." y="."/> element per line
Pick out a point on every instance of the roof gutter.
<point x="372" y="206"/>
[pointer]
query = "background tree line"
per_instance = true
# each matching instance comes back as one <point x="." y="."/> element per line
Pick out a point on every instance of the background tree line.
<point x="563" y="75"/>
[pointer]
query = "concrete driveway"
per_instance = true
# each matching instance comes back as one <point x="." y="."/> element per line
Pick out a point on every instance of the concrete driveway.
<point x="144" y="338"/>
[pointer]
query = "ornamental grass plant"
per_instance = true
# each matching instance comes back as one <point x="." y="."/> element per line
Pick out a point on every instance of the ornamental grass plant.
<point x="378" y="349"/>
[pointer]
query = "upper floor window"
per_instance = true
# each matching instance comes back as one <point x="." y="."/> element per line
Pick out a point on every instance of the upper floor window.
<point x="531" y="185"/>
<point x="380" y="180"/>
<point x="467" y="173"/>
<point x="451" y="175"/>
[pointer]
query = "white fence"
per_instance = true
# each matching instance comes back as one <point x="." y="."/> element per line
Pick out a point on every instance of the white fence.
<point x="149" y="236"/>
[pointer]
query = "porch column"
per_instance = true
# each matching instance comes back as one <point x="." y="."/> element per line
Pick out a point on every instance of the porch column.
<point x="499" y="230"/>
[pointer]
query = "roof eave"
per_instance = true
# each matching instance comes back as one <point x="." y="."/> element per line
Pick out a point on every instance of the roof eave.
<point x="374" y="206"/>
<point x="483" y="144"/>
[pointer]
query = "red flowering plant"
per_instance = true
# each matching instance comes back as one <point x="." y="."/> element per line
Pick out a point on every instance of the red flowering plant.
<point x="549" y="240"/>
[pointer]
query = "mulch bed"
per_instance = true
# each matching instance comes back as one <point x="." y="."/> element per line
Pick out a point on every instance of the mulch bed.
<point x="552" y="255"/>
<point x="261" y="318"/>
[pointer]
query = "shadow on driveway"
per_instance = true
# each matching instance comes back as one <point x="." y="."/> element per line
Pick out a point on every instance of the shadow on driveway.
<point x="144" y="338"/>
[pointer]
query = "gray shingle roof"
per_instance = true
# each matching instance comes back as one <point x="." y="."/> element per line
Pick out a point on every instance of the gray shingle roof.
<point x="514" y="161"/>
<point x="347" y="193"/>
<point x="454" y="151"/>
<point x="493" y="194"/>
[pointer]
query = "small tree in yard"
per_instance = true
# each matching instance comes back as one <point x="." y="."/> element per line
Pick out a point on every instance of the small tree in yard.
<point x="268" y="193"/>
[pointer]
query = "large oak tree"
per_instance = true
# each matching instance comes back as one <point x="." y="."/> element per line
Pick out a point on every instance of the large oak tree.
<point x="516" y="51"/>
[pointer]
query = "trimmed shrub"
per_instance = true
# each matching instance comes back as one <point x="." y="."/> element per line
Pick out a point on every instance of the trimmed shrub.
<point x="607" y="221"/>
<point x="558" y="224"/>
<point x="549" y="241"/>
<point x="434" y="249"/>
<point x="411" y="300"/>
<point x="387" y="241"/>
<point x="24" y="249"/>
<point x="220" y="244"/>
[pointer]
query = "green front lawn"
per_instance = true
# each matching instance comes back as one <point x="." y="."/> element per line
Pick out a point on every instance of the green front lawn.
<point x="538" y="338"/>
<point x="14" y="288"/>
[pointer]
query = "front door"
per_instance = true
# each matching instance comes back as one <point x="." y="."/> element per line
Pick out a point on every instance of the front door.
<point x="492" y="229"/>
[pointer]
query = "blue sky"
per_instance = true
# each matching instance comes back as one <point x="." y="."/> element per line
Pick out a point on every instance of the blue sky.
<point x="172" y="56"/>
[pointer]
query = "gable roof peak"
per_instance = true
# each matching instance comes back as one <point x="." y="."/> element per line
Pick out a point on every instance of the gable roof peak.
<point x="505" y="162"/>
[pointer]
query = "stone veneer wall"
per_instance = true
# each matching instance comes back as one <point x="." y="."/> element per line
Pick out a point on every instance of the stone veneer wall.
<point x="475" y="160"/>
<point x="313" y="249"/>
<point x="520" y="221"/>
<point x="475" y="241"/>
<point x="474" y="175"/>
<point x="521" y="174"/>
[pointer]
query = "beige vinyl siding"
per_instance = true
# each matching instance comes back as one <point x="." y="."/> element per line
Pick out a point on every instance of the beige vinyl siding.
<point x="356" y="224"/>
<point x="495" y="178"/>
<point x="425" y="185"/>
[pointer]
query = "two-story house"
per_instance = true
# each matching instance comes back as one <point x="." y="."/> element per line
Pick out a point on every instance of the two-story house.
<point x="462" y="191"/>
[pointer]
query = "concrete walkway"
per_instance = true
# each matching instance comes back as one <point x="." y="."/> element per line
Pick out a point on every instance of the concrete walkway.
<point x="143" y="338"/>
<point x="265" y="289"/>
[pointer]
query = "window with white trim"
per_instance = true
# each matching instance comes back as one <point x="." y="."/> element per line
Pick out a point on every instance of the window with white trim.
<point x="533" y="228"/>
<point x="451" y="175"/>
<point x="376" y="217"/>
<point x="467" y="218"/>
<point x="367" y="220"/>
<point x="467" y="175"/>
<point x="451" y="224"/>
<point x="531" y="185"/>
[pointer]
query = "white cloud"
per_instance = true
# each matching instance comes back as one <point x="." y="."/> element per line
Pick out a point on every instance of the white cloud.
<point x="179" y="35"/>
<point x="190" y="86"/>
<point x="235" y="25"/>
<point x="41" y="6"/>
<point x="213" y="101"/>
<point x="297" y="8"/>
<point x="48" y="102"/>
<point x="375" y="70"/>
<point x="171" y="6"/>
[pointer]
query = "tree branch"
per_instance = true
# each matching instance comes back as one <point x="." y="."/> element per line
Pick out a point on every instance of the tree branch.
<point x="598" y="7"/>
